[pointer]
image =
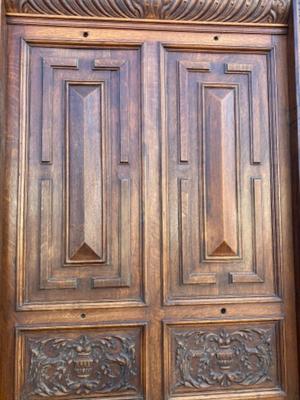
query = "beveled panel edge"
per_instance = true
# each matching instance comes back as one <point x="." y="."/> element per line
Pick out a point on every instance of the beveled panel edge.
<point x="22" y="304"/>
<point x="232" y="395"/>
<point x="235" y="11"/>
<point x="269" y="51"/>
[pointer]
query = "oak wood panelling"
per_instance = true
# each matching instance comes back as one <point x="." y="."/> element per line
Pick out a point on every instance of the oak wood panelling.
<point x="112" y="77"/>
<point x="71" y="362"/>
<point x="85" y="213"/>
<point x="3" y="121"/>
<point x="228" y="358"/>
<point x="49" y="65"/>
<point x="80" y="163"/>
<point x="219" y="149"/>
<point x="294" y="98"/>
<point x="220" y="141"/>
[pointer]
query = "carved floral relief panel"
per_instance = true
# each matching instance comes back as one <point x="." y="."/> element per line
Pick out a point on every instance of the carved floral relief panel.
<point x="222" y="357"/>
<point x="70" y="364"/>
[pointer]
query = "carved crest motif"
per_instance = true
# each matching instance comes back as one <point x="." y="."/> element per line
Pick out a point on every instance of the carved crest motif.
<point x="264" y="11"/>
<point x="82" y="366"/>
<point x="223" y="359"/>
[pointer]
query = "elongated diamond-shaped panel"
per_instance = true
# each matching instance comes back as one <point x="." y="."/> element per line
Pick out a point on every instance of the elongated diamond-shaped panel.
<point x="86" y="230"/>
<point x="221" y="204"/>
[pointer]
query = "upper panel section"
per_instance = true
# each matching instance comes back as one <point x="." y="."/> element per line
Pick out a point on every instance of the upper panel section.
<point x="79" y="227"/>
<point x="219" y="181"/>
<point x="243" y="11"/>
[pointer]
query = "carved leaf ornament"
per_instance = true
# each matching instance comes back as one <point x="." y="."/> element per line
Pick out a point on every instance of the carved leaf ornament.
<point x="82" y="366"/>
<point x="223" y="359"/>
<point x="254" y="11"/>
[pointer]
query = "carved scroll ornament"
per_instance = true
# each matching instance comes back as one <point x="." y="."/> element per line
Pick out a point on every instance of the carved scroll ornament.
<point x="61" y="367"/>
<point x="223" y="359"/>
<point x="244" y="11"/>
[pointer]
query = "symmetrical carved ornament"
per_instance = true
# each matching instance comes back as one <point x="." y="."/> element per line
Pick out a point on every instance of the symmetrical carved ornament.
<point x="250" y="11"/>
<point x="223" y="359"/>
<point x="82" y="366"/>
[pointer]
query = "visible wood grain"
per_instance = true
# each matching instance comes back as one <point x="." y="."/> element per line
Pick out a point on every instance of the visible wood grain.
<point x="89" y="226"/>
<point x="185" y="339"/>
<point x="223" y="213"/>
<point x="294" y="98"/>
<point x="101" y="348"/>
<point x="220" y="153"/>
<point x="253" y="108"/>
<point x="49" y="66"/>
<point x="86" y="186"/>
<point x="159" y="295"/>
<point x="183" y="68"/>
<point x="6" y="346"/>
<point x="46" y="242"/>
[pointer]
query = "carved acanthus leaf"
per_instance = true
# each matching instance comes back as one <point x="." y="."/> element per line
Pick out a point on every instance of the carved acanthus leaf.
<point x="60" y="367"/>
<point x="255" y="11"/>
<point x="223" y="359"/>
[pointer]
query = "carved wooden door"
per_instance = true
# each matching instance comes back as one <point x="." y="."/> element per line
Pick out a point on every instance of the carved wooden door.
<point x="150" y="257"/>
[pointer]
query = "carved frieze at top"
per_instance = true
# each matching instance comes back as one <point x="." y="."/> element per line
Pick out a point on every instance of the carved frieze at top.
<point x="237" y="11"/>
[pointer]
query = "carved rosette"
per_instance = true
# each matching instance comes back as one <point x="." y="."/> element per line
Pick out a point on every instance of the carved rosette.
<point x="85" y="365"/>
<point x="223" y="359"/>
<point x="249" y="11"/>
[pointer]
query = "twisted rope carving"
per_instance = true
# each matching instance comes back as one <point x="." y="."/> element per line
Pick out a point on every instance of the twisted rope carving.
<point x="255" y="11"/>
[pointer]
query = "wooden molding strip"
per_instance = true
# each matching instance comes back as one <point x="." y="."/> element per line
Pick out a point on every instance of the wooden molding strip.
<point x="237" y="11"/>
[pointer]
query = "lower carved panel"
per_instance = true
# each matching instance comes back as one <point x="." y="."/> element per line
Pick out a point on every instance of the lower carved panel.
<point x="222" y="357"/>
<point x="81" y="363"/>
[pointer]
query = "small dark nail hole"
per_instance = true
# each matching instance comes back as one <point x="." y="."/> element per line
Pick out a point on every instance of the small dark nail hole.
<point x="85" y="34"/>
<point x="83" y="316"/>
<point x="216" y="37"/>
<point x="223" y="311"/>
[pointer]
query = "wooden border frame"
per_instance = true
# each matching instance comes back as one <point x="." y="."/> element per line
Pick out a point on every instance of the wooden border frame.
<point x="271" y="394"/>
<point x="20" y="330"/>
<point x="294" y="90"/>
<point x="228" y="24"/>
<point x="3" y="138"/>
